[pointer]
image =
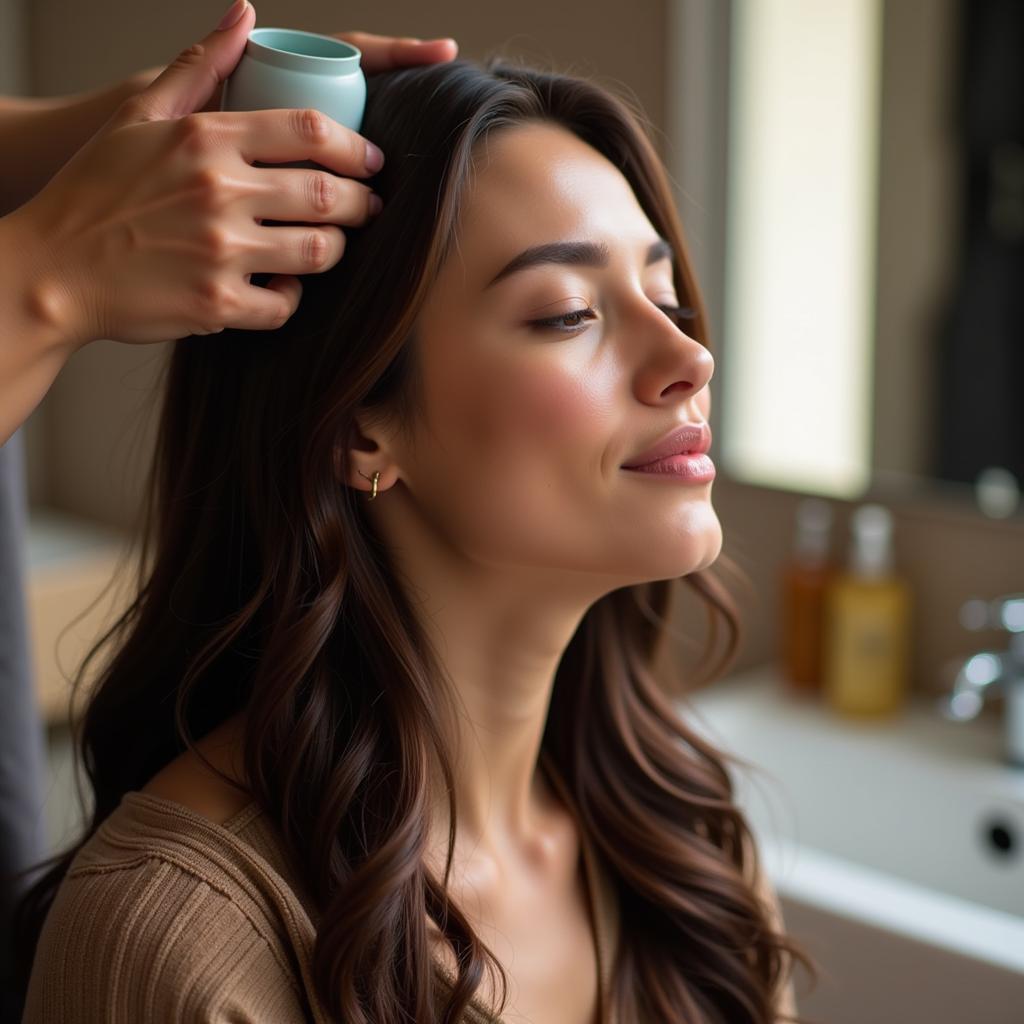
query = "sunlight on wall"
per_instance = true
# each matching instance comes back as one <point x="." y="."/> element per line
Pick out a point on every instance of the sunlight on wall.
<point x="800" y="252"/>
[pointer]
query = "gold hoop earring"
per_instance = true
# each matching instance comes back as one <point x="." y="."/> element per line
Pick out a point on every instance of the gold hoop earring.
<point x="376" y="477"/>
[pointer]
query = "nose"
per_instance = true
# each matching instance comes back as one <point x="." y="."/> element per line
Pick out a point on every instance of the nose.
<point x="671" y="359"/>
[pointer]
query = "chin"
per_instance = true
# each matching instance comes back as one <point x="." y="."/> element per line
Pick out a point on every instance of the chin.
<point x="709" y="551"/>
<point x="709" y="561"/>
<point x="689" y="562"/>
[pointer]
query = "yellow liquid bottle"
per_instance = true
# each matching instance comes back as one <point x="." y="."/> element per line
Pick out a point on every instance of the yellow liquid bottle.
<point x="867" y="624"/>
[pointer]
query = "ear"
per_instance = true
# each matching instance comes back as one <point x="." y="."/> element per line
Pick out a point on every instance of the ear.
<point x="369" y="451"/>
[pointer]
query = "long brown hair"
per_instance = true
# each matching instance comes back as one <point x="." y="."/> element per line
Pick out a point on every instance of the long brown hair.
<point x="262" y="587"/>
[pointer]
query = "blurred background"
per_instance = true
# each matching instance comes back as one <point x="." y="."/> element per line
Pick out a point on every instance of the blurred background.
<point x="850" y="174"/>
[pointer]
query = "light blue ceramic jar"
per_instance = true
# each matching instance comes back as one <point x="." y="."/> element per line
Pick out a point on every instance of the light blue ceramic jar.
<point x="284" y="67"/>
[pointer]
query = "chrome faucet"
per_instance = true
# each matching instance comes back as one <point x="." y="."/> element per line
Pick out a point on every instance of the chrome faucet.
<point x="990" y="671"/>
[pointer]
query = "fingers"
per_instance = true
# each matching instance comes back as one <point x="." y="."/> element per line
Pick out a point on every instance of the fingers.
<point x="266" y="308"/>
<point x="387" y="53"/>
<point x="290" y="136"/>
<point x="305" y="196"/>
<point x="294" y="250"/>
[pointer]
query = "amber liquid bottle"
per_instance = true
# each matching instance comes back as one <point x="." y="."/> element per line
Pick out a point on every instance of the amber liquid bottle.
<point x="868" y="624"/>
<point x="805" y="581"/>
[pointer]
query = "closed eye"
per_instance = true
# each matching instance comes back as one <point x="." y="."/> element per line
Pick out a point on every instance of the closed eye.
<point x="676" y="313"/>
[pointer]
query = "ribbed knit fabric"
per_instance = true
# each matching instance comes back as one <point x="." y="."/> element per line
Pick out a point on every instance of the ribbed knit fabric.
<point x="165" y="916"/>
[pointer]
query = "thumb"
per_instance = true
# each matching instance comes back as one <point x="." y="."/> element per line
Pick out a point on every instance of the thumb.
<point x="189" y="81"/>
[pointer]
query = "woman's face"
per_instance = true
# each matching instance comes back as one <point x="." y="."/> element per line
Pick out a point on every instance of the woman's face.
<point x="517" y="464"/>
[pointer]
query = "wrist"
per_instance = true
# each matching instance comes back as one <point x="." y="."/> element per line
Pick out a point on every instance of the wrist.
<point x="35" y="342"/>
<point x="45" y="311"/>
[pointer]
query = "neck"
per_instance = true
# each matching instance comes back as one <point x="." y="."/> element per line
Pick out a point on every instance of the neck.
<point x="502" y="674"/>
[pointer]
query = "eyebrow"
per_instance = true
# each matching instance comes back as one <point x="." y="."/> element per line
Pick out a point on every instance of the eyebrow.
<point x="580" y="254"/>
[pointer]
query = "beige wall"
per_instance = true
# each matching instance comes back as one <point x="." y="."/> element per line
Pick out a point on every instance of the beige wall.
<point x="89" y="439"/>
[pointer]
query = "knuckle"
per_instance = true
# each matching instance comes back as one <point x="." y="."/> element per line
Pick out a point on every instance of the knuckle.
<point x="194" y="57"/>
<point x="215" y="301"/>
<point x="193" y="134"/>
<point x="316" y="250"/>
<point x="134" y="109"/>
<point x="216" y="243"/>
<point x="209" y="183"/>
<point x="324" y="192"/>
<point x="190" y="56"/>
<point x="311" y="125"/>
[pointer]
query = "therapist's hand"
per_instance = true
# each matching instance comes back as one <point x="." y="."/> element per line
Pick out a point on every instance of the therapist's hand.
<point x="152" y="230"/>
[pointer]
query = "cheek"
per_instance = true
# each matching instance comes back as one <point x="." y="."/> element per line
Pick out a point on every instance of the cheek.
<point x="559" y="406"/>
<point x="540" y="412"/>
<point x="537" y="435"/>
<point x="566" y="422"/>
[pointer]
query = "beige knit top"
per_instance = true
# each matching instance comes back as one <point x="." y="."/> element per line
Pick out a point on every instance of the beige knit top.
<point x="165" y="916"/>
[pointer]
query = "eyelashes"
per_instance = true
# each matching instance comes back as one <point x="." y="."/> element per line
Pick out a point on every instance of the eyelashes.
<point x="678" y="314"/>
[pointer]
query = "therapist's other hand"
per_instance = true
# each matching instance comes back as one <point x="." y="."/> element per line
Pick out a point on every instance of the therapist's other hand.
<point x="379" y="53"/>
<point x="152" y="230"/>
<point x="388" y="53"/>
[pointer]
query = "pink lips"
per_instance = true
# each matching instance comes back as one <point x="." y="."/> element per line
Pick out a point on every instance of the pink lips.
<point x="689" y="439"/>
<point x="693" y="468"/>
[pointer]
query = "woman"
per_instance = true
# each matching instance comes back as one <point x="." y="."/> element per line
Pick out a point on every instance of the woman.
<point x="400" y="583"/>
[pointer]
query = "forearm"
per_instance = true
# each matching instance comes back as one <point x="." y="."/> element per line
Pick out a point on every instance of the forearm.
<point x="38" y="135"/>
<point x="35" y="335"/>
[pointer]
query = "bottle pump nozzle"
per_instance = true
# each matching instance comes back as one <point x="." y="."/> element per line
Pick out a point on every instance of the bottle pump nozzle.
<point x="871" y="544"/>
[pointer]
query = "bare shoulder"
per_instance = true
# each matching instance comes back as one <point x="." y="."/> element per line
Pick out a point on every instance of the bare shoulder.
<point x="188" y="781"/>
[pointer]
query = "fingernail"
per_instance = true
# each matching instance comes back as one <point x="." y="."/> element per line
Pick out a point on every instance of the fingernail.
<point x="234" y="13"/>
<point x="374" y="158"/>
<point x="376" y="203"/>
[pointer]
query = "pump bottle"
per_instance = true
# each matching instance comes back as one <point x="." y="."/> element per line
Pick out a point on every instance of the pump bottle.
<point x="867" y="620"/>
<point x="805" y="581"/>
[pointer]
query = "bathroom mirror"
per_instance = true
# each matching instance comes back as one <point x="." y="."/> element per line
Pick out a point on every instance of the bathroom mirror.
<point x="851" y="177"/>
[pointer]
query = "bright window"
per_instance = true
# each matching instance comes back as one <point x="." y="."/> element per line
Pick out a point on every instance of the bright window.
<point x="800" y="252"/>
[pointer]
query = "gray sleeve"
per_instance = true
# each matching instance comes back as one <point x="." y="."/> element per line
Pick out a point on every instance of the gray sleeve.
<point x="23" y="837"/>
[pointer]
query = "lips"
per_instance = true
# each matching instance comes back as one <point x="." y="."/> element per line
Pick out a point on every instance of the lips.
<point x="691" y="438"/>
